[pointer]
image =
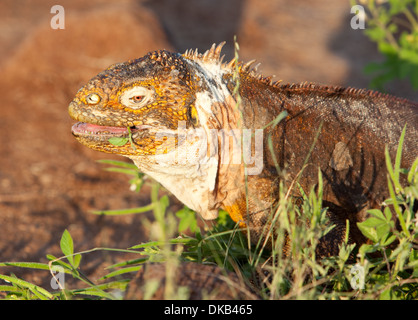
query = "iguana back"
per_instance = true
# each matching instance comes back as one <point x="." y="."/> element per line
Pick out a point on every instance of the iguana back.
<point x="352" y="128"/>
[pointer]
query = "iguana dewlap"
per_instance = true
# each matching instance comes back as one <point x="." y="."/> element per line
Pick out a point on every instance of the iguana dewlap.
<point x="188" y="130"/>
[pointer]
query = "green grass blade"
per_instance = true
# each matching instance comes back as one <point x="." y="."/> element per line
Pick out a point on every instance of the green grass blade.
<point x="146" y="208"/>
<point x="99" y="290"/>
<point x="119" y="164"/>
<point x="10" y="289"/>
<point x="127" y="263"/>
<point x="399" y="157"/>
<point x="120" y="272"/>
<point x="397" y="208"/>
<point x="413" y="174"/>
<point x="130" y="172"/>
<point x="394" y="173"/>
<point x="41" y="293"/>
<point x="31" y="265"/>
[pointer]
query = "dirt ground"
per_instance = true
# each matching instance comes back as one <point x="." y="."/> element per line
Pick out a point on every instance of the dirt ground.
<point x="49" y="182"/>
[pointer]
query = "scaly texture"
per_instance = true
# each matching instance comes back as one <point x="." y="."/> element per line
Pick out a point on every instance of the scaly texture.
<point x="187" y="131"/>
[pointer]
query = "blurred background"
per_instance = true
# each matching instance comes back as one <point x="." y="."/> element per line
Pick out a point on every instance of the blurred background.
<point x="49" y="182"/>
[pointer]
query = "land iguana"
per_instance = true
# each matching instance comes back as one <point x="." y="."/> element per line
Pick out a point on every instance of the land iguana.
<point x="186" y="115"/>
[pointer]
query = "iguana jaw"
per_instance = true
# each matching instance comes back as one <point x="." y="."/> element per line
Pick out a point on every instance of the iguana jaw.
<point x="100" y="137"/>
<point x="130" y="140"/>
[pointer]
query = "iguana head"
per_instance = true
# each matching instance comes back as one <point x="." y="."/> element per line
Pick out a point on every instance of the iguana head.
<point x="151" y="104"/>
<point x="145" y="101"/>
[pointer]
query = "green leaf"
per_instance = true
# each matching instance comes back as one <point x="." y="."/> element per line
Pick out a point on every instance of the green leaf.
<point x="375" y="34"/>
<point x="118" y="141"/>
<point x="367" y="248"/>
<point x="388" y="214"/>
<point x="409" y="55"/>
<point x="67" y="248"/>
<point x="66" y="243"/>
<point x="77" y="259"/>
<point x="397" y="6"/>
<point x="382" y="232"/>
<point x="223" y="218"/>
<point x="377" y="213"/>
<point x="368" y="229"/>
<point x="378" y="227"/>
<point x="386" y="294"/>
<point x="389" y="239"/>
<point x="187" y="220"/>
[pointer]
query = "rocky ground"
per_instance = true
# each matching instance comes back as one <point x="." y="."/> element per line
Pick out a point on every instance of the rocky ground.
<point x="49" y="182"/>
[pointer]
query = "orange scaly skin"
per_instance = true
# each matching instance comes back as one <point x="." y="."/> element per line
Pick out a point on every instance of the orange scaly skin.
<point x="173" y="104"/>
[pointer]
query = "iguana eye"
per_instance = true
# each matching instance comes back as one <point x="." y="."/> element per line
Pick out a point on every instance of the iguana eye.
<point x="93" y="98"/>
<point x="136" y="97"/>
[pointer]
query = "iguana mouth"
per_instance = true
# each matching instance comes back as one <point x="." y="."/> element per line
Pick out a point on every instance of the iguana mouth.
<point x="134" y="140"/>
<point x="88" y="129"/>
<point x="99" y="130"/>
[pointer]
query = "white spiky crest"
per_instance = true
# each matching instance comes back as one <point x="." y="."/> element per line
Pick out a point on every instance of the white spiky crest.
<point x="213" y="55"/>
